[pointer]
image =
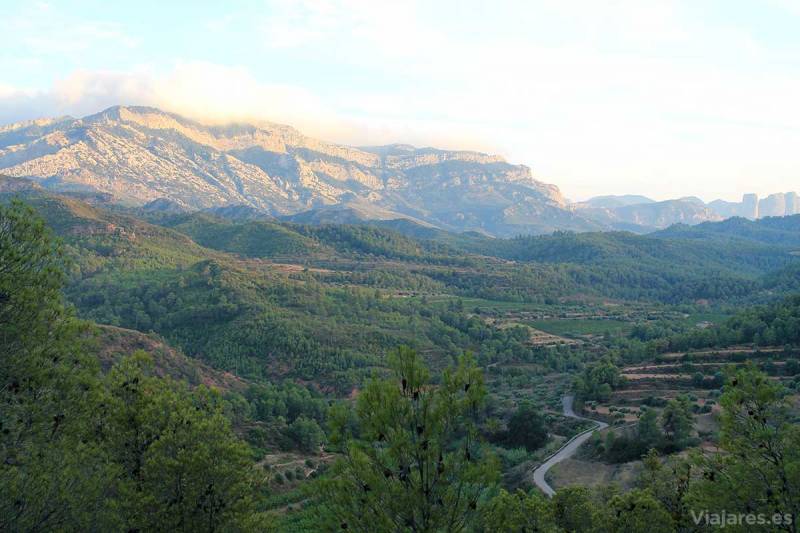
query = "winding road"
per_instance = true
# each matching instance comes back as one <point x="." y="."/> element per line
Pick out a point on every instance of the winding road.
<point x="567" y="450"/>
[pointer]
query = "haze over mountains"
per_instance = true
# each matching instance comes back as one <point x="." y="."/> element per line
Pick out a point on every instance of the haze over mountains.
<point x="144" y="156"/>
<point x="642" y="211"/>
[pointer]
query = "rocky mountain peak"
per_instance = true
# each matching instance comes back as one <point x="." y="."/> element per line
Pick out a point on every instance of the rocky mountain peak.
<point x="141" y="154"/>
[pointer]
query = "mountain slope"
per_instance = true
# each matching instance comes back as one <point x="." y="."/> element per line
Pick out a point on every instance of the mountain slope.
<point x="140" y="155"/>
<point x="114" y="343"/>
<point x="780" y="231"/>
<point x="614" y="201"/>
<point x="249" y="239"/>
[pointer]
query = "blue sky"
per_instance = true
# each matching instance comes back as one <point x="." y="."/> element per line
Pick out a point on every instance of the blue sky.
<point x="653" y="97"/>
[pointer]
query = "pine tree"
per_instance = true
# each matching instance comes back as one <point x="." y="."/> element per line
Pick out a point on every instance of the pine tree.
<point x="417" y="463"/>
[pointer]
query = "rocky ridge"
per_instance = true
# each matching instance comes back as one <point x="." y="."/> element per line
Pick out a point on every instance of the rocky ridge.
<point x="139" y="155"/>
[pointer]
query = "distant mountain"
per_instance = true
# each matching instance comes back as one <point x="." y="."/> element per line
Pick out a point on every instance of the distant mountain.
<point x="140" y="155"/>
<point x="161" y="163"/>
<point x="612" y="201"/>
<point x="774" y="205"/>
<point x="238" y="212"/>
<point x="666" y="213"/>
<point x="779" y="205"/>
<point x="642" y="214"/>
<point x="163" y="205"/>
<point x="692" y="200"/>
<point x="644" y="217"/>
<point x="352" y="212"/>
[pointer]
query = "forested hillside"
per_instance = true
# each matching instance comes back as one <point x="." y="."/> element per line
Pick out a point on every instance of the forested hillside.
<point x="777" y="324"/>
<point x="322" y="303"/>
<point x="297" y="329"/>
<point x="83" y="450"/>
<point x="129" y="450"/>
<point x="266" y="319"/>
<point x="781" y="231"/>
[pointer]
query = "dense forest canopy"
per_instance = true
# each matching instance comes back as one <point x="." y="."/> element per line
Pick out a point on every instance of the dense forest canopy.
<point x="81" y="450"/>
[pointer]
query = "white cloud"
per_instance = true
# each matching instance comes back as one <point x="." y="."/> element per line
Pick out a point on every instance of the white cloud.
<point x="216" y="94"/>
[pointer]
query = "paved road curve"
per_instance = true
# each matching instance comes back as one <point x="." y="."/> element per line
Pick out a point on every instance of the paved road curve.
<point x="567" y="450"/>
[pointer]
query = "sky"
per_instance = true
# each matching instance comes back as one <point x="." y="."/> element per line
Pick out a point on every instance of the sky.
<point x="661" y="98"/>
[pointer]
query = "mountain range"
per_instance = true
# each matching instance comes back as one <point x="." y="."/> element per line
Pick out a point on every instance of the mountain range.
<point x="148" y="158"/>
<point x="640" y="210"/>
